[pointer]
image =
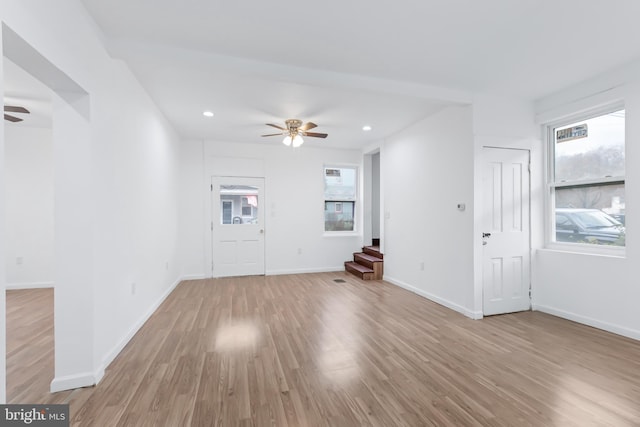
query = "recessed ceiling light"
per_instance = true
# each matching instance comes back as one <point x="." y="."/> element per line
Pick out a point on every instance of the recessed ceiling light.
<point x="207" y="114"/>
<point x="366" y="128"/>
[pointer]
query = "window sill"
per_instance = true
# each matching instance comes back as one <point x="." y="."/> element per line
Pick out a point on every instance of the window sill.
<point x="586" y="249"/>
<point x="340" y="234"/>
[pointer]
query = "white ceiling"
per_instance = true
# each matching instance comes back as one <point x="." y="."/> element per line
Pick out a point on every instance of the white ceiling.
<point x="343" y="64"/>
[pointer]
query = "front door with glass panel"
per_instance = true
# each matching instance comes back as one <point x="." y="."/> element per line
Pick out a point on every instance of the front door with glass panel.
<point x="237" y="226"/>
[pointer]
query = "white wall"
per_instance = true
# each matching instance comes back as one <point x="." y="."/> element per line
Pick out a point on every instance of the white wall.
<point x="427" y="170"/>
<point x="598" y="290"/>
<point x="294" y="204"/>
<point x="116" y="166"/>
<point x="29" y="206"/>
<point x="136" y="175"/>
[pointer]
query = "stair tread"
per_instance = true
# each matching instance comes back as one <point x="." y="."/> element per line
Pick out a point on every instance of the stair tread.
<point x="358" y="267"/>
<point x="373" y="250"/>
<point x="368" y="257"/>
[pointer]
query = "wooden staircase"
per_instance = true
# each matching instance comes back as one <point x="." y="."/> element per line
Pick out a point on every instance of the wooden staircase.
<point x="368" y="264"/>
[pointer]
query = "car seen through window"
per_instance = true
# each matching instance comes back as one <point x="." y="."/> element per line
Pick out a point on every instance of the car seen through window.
<point x="588" y="226"/>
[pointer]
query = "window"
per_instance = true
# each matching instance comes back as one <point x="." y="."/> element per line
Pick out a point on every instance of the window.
<point x="227" y="211"/>
<point x="239" y="204"/>
<point x="340" y="189"/>
<point x="587" y="179"/>
<point x="248" y="205"/>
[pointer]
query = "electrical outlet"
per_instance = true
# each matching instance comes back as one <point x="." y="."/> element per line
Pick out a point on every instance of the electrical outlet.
<point x="19" y="260"/>
<point x="299" y="251"/>
<point x="166" y="265"/>
<point x="422" y="266"/>
<point x="133" y="288"/>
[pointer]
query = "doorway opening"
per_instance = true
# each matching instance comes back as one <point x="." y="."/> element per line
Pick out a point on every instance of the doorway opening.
<point x="372" y="200"/>
<point x="29" y="231"/>
<point x="63" y="260"/>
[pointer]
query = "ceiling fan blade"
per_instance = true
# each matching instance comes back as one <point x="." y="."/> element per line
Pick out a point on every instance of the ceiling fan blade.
<point x="273" y="134"/>
<point x="308" y="126"/>
<point x="276" y="126"/>
<point x="12" y="118"/>
<point x="15" y="109"/>
<point x="316" y="134"/>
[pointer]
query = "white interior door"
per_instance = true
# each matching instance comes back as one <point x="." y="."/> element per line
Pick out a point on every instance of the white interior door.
<point x="237" y="226"/>
<point x="506" y="247"/>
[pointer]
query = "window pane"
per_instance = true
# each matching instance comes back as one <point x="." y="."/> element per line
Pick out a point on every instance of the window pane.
<point x="608" y="198"/>
<point x="238" y="204"/>
<point x="590" y="149"/>
<point x="591" y="214"/>
<point x="340" y="183"/>
<point x="338" y="216"/>
<point x="227" y="211"/>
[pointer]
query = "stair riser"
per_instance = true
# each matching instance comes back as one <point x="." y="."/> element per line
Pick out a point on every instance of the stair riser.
<point x="361" y="275"/>
<point x="366" y="263"/>
<point x="372" y="252"/>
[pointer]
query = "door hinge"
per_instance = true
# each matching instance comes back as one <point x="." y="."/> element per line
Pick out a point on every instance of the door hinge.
<point x="211" y="187"/>
<point x="211" y="225"/>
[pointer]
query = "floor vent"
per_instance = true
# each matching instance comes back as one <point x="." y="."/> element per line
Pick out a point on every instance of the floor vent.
<point x="339" y="280"/>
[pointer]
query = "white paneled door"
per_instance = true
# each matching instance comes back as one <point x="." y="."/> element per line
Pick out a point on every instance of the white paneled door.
<point x="237" y="226"/>
<point x="505" y="237"/>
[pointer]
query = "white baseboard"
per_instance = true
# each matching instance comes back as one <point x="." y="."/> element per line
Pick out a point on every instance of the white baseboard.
<point x="134" y="329"/>
<point x="72" y="381"/>
<point x="449" y="304"/>
<point x="304" y="271"/>
<point x="30" y="285"/>
<point x="589" y="321"/>
<point x="193" y="277"/>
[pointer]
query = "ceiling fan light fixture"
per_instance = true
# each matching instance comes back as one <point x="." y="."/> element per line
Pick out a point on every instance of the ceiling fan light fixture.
<point x="207" y="113"/>
<point x="294" y="140"/>
<point x="366" y="128"/>
<point x="294" y="130"/>
<point x="297" y="141"/>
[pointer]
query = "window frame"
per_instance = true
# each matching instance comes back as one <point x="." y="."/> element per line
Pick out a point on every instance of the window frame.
<point x="334" y="233"/>
<point x="550" y="184"/>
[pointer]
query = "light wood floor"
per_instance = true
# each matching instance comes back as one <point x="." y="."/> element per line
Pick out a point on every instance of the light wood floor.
<point x="303" y="350"/>
<point x="29" y="344"/>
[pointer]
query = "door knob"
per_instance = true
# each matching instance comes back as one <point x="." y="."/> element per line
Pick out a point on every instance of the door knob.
<point x="261" y="231"/>
<point x="485" y="235"/>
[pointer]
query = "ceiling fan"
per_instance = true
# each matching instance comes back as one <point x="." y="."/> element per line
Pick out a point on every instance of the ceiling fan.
<point x="14" y="109"/>
<point x="294" y="131"/>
